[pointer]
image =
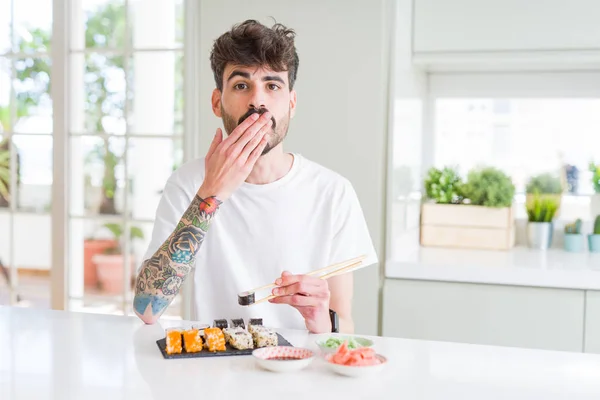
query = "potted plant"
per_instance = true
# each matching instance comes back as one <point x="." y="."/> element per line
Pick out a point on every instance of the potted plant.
<point x="540" y="213"/>
<point x="102" y="154"/>
<point x="574" y="241"/>
<point x="443" y="186"/>
<point x="595" y="199"/>
<point x="91" y="247"/>
<point x="594" y="238"/>
<point x="109" y="264"/>
<point x="545" y="185"/>
<point x="477" y="214"/>
<point x="489" y="187"/>
<point x="4" y="175"/>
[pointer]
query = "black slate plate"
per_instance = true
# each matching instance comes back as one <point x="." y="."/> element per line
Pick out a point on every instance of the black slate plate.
<point x="230" y="351"/>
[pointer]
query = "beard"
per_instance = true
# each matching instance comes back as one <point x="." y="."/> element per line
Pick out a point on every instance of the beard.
<point x="274" y="137"/>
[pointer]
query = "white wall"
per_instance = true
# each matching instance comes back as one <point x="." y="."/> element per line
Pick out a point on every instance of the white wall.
<point x="30" y="240"/>
<point x="506" y="25"/>
<point x="341" y="119"/>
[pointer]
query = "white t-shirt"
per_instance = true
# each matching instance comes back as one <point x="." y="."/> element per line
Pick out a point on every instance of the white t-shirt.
<point x="307" y="220"/>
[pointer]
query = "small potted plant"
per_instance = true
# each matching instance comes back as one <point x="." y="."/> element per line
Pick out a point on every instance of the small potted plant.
<point x="540" y="215"/>
<point x="594" y="238"/>
<point x="477" y="214"/>
<point x="489" y="187"/>
<point x="443" y="186"/>
<point x="545" y="185"/>
<point x="109" y="264"/>
<point x="574" y="239"/>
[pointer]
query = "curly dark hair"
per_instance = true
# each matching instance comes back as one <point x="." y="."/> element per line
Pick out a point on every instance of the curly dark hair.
<point x="251" y="43"/>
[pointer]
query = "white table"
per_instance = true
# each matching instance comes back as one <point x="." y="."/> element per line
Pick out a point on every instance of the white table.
<point x="61" y="355"/>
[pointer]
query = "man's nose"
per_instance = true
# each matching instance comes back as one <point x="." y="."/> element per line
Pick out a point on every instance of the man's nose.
<point x="257" y="100"/>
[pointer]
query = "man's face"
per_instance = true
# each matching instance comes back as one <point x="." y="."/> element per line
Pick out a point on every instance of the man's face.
<point x="247" y="90"/>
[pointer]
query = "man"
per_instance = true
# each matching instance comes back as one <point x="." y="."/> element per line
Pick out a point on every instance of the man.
<point x="248" y="212"/>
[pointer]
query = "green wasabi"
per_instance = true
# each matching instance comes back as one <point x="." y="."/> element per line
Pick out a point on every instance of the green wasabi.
<point x="335" y="342"/>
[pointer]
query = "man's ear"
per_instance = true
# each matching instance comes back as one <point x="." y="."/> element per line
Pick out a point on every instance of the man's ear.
<point x="293" y="100"/>
<point x="216" y="102"/>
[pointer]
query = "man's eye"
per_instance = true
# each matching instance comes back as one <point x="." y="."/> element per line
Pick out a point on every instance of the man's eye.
<point x="273" y="86"/>
<point x="241" y="86"/>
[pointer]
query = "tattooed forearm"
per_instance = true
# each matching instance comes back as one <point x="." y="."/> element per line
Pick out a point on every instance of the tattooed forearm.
<point x="162" y="275"/>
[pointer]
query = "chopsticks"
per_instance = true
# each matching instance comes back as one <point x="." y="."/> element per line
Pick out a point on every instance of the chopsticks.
<point x="248" y="298"/>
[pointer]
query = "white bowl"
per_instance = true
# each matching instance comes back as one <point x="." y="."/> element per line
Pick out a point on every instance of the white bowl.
<point x="363" y="342"/>
<point x="357" y="372"/>
<point x="266" y="358"/>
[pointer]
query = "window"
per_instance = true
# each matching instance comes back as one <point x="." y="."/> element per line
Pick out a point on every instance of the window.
<point x="523" y="137"/>
<point x="125" y="106"/>
<point x="126" y="60"/>
<point x="26" y="117"/>
<point x="524" y="123"/>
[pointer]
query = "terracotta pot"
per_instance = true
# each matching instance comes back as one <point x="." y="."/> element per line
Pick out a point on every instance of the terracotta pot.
<point x="110" y="272"/>
<point x="90" y="249"/>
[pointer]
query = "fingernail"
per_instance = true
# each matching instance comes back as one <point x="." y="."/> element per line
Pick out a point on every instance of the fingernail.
<point x="278" y="281"/>
<point x="255" y="116"/>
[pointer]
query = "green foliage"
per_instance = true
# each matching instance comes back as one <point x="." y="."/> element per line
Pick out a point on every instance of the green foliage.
<point x="489" y="187"/>
<point x="595" y="170"/>
<point x="574" y="228"/>
<point x="444" y="186"/>
<point x="105" y="28"/>
<point x="117" y="231"/>
<point x="4" y="171"/>
<point x="542" y="208"/>
<point x="544" y="184"/>
<point x="597" y="226"/>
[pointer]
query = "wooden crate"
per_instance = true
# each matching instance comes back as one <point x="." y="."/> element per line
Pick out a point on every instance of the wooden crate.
<point x="467" y="227"/>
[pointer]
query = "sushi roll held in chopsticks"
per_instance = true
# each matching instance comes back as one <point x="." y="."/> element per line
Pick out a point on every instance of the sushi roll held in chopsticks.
<point x="246" y="298"/>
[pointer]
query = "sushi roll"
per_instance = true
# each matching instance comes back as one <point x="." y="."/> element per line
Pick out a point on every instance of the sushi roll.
<point x="238" y="323"/>
<point x="264" y="337"/>
<point x="192" y="341"/>
<point x="228" y="332"/>
<point x="221" y="324"/>
<point x="215" y="340"/>
<point x="255" y="321"/>
<point x="238" y="338"/>
<point x="173" y="339"/>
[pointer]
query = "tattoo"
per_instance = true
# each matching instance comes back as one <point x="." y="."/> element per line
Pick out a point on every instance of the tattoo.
<point x="162" y="275"/>
<point x="204" y="208"/>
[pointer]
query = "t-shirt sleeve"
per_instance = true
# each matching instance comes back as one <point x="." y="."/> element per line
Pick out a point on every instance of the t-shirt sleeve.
<point x="173" y="203"/>
<point x="351" y="234"/>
